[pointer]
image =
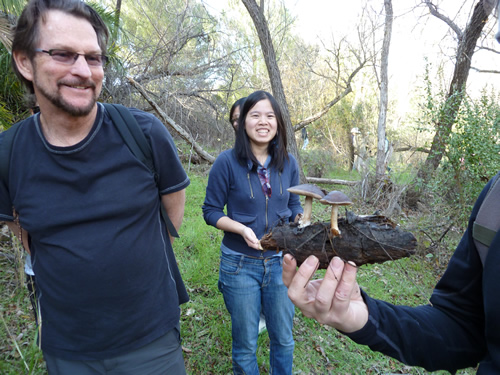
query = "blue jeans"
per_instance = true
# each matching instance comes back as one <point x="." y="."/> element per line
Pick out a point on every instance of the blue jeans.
<point x="249" y="285"/>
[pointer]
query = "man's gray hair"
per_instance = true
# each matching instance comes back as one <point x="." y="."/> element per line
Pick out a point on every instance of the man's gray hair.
<point x="26" y="32"/>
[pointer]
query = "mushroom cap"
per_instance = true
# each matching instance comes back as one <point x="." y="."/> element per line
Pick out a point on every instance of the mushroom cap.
<point x="309" y="190"/>
<point x="336" y="197"/>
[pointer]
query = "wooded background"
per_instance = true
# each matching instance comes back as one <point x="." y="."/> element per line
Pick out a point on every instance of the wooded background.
<point x="189" y="60"/>
<point x="399" y="104"/>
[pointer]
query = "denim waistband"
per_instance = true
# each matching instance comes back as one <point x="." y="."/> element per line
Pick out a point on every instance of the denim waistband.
<point x="249" y="259"/>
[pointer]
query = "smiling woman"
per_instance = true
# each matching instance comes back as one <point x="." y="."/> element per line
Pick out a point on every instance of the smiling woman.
<point x="251" y="182"/>
<point x="261" y="128"/>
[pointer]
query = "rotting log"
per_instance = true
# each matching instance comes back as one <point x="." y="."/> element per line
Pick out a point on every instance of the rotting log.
<point x="330" y="181"/>
<point x="363" y="240"/>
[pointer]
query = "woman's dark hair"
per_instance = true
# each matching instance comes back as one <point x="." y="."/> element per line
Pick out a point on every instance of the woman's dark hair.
<point x="238" y="103"/>
<point x="277" y="146"/>
<point x="26" y="34"/>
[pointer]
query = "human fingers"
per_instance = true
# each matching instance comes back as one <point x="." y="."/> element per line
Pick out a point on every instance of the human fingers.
<point x="289" y="269"/>
<point x="297" y="287"/>
<point x="328" y="288"/>
<point x="251" y="239"/>
<point x="347" y="284"/>
<point x="338" y="300"/>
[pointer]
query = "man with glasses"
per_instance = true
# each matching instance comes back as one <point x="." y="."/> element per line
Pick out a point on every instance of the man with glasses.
<point x="88" y="210"/>
<point x="459" y="328"/>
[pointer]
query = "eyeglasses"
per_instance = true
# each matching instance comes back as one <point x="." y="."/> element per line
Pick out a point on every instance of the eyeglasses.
<point x="69" y="58"/>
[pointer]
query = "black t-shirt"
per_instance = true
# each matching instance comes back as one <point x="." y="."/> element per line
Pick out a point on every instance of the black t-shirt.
<point x="101" y="255"/>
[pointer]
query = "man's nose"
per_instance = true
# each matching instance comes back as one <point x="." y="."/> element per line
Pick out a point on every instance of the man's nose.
<point x="81" y="67"/>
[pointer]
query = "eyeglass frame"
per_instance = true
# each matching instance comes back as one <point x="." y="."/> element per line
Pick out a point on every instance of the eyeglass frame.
<point x="75" y="56"/>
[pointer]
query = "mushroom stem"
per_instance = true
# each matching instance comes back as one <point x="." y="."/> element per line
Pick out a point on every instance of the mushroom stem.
<point x="333" y="221"/>
<point x="306" y="219"/>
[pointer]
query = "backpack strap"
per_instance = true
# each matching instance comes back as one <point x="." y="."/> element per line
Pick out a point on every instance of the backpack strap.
<point x="136" y="141"/>
<point x="9" y="136"/>
<point x="487" y="221"/>
<point x="131" y="133"/>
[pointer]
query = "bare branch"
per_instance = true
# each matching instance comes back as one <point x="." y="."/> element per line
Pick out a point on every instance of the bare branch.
<point x="485" y="70"/>
<point x="325" y="110"/>
<point x="488" y="49"/>
<point x="435" y="12"/>
<point x="412" y="148"/>
<point x="167" y="120"/>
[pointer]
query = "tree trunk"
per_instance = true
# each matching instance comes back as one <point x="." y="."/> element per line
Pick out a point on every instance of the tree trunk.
<point x="118" y="10"/>
<point x="384" y="82"/>
<point x="351" y="151"/>
<point x="466" y="45"/>
<point x="266" y="43"/>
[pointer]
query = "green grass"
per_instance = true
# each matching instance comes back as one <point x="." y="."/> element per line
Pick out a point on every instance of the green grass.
<point x="205" y="322"/>
<point x="19" y="353"/>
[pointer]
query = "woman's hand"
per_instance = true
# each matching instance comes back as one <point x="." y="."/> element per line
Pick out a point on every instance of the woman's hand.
<point x="335" y="300"/>
<point x="230" y="225"/>
<point x="250" y="238"/>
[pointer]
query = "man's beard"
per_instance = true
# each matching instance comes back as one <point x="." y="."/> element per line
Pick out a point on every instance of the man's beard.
<point x="58" y="100"/>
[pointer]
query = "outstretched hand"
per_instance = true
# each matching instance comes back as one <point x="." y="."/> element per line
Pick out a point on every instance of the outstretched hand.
<point x="334" y="300"/>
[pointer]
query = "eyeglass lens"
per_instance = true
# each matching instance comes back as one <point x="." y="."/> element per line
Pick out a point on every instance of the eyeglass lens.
<point x="68" y="57"/>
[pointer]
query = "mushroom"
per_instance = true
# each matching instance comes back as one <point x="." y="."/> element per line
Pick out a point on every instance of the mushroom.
<point x="310" y="191"/>
<point x="335" y="199"/>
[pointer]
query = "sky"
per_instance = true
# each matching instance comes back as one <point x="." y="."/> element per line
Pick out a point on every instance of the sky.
<point x="410" y="45"/>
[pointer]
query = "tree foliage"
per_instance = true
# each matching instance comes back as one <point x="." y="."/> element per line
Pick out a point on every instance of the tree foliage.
<point x="192" y="64"/>
<point x="466" y="46"/>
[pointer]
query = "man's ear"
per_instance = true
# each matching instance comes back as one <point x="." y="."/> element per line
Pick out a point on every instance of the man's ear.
<point x="24" y="65"/>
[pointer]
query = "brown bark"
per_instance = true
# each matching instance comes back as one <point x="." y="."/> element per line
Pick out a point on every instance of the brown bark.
<point x="363" y="240"/>
<point x="466" y="45"/>
<point x="266" y="43"/>
<point x="118" y="10"/>
<point x="384" y="93"/>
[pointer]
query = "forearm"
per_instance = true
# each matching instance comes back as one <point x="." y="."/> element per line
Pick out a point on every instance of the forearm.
<point x="174" y="204"/>
<point x="229" y="225"/>
<point x="421" y="336"/>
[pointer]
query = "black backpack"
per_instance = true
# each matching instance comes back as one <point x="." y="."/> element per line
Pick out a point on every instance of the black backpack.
<point x="487" y="223"/>
<point x="132" y="135"/>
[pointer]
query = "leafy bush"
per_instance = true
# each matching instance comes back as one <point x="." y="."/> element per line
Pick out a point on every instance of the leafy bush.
<point x="473" y="154"/>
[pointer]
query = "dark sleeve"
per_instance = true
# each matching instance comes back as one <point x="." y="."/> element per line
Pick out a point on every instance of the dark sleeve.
<point x="219" y="180"/>
<point x="172" y="176"/>
<point x="6" y="213"/>
<point x="448" y="333"/>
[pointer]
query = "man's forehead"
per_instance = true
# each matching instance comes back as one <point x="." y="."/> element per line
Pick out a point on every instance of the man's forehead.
<point x="64" y="28"/>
